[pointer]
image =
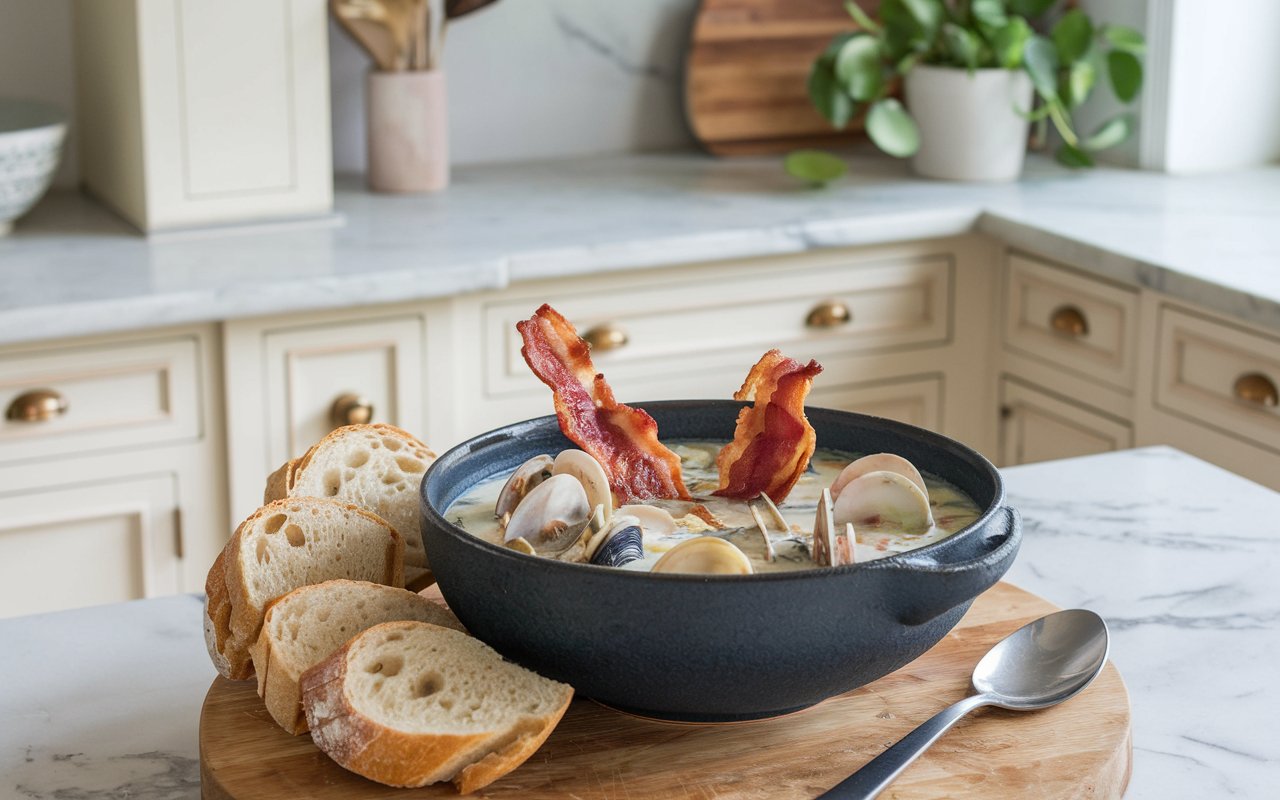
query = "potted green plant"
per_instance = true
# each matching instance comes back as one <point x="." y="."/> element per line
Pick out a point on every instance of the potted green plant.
<point x="975" y="74"/>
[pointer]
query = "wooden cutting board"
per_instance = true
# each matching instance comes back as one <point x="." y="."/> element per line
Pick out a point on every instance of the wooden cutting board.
<point x="747" y="71"/>
<point x="1080" y="749"/>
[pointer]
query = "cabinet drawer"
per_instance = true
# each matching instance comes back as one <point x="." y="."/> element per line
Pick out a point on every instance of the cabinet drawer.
<point x="688" y="326"/>
<point x="89" y="544"/>
<point x="915" y="401"/>
<point x="309" y="368"/>
<point x="1219" y="376"/>
<point x="1082" y="324"/>
<point x="125" y="395"/>
<point x="1038" y="426"/>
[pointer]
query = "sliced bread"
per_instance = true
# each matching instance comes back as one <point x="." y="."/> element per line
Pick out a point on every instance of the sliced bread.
<point x="282" y="546"/>
<point x="409" y="703"/>
<point x="377" y="467"/>
<point x="308" y="624"/>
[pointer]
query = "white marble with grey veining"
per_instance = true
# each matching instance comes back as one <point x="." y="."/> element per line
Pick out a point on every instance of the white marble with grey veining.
<point x="71" y="268"/>
<point x="1181" y="558"/>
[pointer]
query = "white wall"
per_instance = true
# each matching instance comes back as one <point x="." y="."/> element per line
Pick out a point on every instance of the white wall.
<point x="527" y="78"/>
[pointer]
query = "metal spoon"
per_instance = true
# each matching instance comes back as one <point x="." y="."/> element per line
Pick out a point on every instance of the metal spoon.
<point x="1037" y="666"/>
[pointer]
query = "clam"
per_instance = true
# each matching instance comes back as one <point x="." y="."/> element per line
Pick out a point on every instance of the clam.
<point x="706" y="555"/>
<point x="526" y="476"/>
<point x="769" y="555"/>
<point x="521" y="545"/>
<point x="845" y="546"/>
<point x="582" y="466"/>
<point x="775" y="512"/>
<point x="879" y="462"/>
<point x="655" y="521"/>
<point x="552" y="517"/>
<point x="884" y="499"/>
<point x="824" y="532"/>
<point x="598" y="537"/>
<point x="621" y="547"/>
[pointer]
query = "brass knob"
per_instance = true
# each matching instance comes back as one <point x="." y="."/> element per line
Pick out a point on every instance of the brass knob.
<point x="37" y="405"/>
<point x="829" y="314"/>
<point x="1256" y="388"/>
<point x="606" y="336"/>
<point x="1069" y="321"/>
<point x="350" y="409"/>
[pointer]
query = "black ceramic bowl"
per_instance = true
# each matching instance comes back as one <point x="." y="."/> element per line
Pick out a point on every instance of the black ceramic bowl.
<point x="716" y="648"/>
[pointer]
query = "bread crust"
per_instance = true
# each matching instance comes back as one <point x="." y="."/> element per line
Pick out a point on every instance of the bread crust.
<point x="299" y="464"/>
<point x="279" y="482"/>
<point x="217" y="619"/>
<point x="244" y="620"/>
<point x="386" y="755"/>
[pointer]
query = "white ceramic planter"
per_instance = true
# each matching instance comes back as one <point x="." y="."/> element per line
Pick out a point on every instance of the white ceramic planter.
<point x="969" y="130"/>
<point x="408" y="131"/>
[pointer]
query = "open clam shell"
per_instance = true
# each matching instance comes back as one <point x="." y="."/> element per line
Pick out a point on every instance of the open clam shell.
<point x="622" y="546"/>
<point x="878" y="462"/>
<point x="883" y="499"/>
<point x="706" y="555"/>
<point x="655" y="521"/>
<point x="552" y="517"/>
<point x="522" y="481"/>
<point x="824" y="532"/>
<point x="581" y="465"/>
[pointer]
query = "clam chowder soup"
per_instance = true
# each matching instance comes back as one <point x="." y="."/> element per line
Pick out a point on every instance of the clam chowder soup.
<point x="559" y="506"/>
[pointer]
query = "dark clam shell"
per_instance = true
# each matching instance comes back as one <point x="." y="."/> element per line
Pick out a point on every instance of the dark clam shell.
<point x="621" y="548"/>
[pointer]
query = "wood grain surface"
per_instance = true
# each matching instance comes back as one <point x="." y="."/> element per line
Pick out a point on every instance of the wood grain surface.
<point x="1080" y="749"/>
<point x="747" y="72"/>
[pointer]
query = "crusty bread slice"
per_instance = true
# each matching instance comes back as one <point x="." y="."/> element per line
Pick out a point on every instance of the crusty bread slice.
<point x="308" y="624"/>
<point x="377" y="467"/>
<point x="282" y="546"/>
<point x="409" y="703"/>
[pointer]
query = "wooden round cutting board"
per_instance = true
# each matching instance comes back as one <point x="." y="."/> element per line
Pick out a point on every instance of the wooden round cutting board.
<point x="1080" y="749"/>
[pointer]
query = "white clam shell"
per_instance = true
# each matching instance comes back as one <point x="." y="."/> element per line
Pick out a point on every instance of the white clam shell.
<point x="706" y="555"/>
<point x="653" y="520"/>
<point x="581" y="465"/>
<point x="878" y="462"/>
<point x="552" y="516"/>
<point x="522" y="481"/>
<point x="883" y="499"/>
<point x="824" y="532"/>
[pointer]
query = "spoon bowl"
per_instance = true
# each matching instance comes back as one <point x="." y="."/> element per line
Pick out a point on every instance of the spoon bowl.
<point x="1039" y="665"/>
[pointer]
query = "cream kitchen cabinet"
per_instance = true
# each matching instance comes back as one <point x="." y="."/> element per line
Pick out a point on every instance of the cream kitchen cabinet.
<point x="1037" y="426"/>
<point x="112" y="476"/>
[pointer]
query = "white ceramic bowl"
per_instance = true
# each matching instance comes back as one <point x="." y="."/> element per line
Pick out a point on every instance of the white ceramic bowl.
<point x="31" y="136"/>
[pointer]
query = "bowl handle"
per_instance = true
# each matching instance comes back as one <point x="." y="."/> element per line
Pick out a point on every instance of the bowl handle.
<point x="960" y="581"/>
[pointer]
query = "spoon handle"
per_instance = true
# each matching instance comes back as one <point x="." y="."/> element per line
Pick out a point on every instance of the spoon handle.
<point x="880" y="771"/>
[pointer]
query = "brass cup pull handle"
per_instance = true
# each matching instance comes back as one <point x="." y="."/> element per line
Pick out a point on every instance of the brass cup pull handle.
<point x="606" y="336"/>
<point x="1069" y="321"/>
<point x="829" y="314"/>
<point x="350" y="409"/>
<point x="1256" y="389"/>
<point x="37" y="405"/>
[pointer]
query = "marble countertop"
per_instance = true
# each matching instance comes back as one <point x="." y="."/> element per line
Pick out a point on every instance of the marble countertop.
<point x="1180" y="557"/>
<point x="72" y="268"/>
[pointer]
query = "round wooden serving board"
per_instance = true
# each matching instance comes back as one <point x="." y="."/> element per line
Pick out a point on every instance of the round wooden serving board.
<point x="1080" y="749"/>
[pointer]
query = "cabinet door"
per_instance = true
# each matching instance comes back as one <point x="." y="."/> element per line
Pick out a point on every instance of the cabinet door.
<point x="915" y="401"/>
<point x="1037" y="426"/>
<point x="94" y="543"/>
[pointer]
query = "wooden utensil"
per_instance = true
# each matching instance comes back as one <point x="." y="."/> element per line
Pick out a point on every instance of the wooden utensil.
<point x="367" y="23"/>
<point x="1080" y="749"/>
<point x="747" y="73"/>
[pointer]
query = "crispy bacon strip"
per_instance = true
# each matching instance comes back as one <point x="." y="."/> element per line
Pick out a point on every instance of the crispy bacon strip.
<point x="773" y="441"/>
<point x="623" y="439"/>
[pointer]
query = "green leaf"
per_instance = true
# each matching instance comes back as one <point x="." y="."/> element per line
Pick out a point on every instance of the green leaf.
<point x="828" y="56"/>
<point x="928" y="15"/>
<point x="1126" y="74"/>
<point x="828" y="97"/>
<point x="1073" y="157"/>
<point x="1080" y="81"/>
<point x="814" y="166"/>
<point x="963" y="45"/>
<point x="1072" y="35"/>
<point x="1030" y="8"/>
<point x="1122" y="38"/>
<point x="1040" y="58"/>
<point x="990" y="13"/>
<point x="861" y="17"/>
<point x="1009" y="41"/>
<point x="859" y="68"/>
<point x="1110" y="133"/>
<point x="892" y="128"/>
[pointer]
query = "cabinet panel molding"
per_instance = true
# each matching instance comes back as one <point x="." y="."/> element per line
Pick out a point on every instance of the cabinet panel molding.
<point x="1038" y="426"/>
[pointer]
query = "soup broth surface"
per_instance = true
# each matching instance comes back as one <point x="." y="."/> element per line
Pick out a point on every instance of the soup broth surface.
<point x="952" y="511"/>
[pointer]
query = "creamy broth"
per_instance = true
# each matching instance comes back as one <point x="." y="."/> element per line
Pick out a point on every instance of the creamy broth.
<point x="952" y="510"/>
